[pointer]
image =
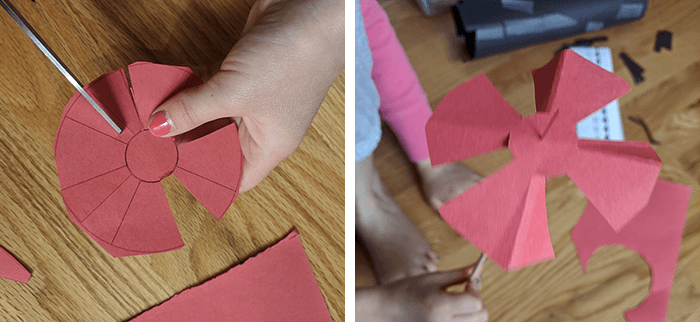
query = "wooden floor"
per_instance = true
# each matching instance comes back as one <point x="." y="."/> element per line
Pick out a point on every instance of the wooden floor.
<point x="668" y="101"/>
<point x="73" y="278"/>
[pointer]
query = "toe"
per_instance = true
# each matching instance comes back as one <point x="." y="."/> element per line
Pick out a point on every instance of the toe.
<point x="432" y="256"/>
<point x="430" y="267"/>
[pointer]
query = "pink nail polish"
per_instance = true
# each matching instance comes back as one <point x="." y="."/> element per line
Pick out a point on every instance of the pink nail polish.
<point x="159" y="124"/>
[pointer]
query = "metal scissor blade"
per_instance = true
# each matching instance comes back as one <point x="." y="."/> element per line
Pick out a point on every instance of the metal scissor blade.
<point x="27" y="28"/>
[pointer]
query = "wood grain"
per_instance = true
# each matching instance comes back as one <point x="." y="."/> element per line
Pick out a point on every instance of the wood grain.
<point x="73" y="279"/>
<point x="668" y="101"/>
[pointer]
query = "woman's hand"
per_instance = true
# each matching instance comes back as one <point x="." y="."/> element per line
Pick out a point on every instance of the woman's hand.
<point x="272" y="82"/>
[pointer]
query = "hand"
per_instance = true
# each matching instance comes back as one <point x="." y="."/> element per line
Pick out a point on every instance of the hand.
<point x="272" y="82"/>
<point x="421" y="298"/>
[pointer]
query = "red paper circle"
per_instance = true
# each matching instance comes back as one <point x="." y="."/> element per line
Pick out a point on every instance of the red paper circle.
<point x="151" y="158"/>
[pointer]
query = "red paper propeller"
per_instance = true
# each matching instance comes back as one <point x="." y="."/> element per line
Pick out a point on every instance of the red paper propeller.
<point x="505" y="214"/>
<point x="655" y="233"/>
<point x="111" y="182"/>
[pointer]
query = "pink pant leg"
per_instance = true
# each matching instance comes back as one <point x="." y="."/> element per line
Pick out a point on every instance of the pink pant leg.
<point x="403" y="103"/>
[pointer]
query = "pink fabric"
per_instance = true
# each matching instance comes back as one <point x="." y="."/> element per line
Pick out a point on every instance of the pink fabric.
<point x="403" y="103"/>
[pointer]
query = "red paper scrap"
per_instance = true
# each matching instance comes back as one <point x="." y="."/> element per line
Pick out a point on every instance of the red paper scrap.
<point x="12" y="269"/>
<point x="495" y="214"/>
<point x="276" y="285"/>
<point x="110" y="182"/>
<point x="655" y="233"/>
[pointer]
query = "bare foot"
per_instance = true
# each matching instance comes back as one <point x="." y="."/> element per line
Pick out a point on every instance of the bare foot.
<point x="442" y="183"/>
<point x="420" y="298"/>
<point x="398" y="250"/>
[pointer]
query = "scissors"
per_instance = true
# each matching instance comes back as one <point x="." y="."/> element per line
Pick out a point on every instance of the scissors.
<point x="475" y="277"/>
<point x="39" y="42"/>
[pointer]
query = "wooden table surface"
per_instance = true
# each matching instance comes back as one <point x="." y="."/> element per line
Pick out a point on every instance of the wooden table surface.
<point x="668" y="101"/>
<point x="73" y="279"/>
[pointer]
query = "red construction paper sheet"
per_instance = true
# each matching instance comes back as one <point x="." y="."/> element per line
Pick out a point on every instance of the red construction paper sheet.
<point x="276" y="285"/>
<point x="12" y="269"/>
<point x="110" y="182"/>
<point x="655" y="233"/>
<point x="505" y="214"/>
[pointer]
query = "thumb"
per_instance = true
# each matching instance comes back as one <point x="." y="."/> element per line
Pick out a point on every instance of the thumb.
<point x="190" y="109"/>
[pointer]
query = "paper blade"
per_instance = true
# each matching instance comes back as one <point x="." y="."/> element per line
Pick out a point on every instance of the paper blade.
<point x="104" y="221"/>
<point x="215" y="197"/>
<point x="617" y="177"/>
<point x="532" y="242"/>
<point x="572" y="81"/>
<point x="111" y="91"/>
<point x="148" y="225"/>
<point x="472" y="119"/>
<point x="85" y="197"/>
<point x="491" y="216"/>
<point x="206" y="155"/>
<point x="83" y="153"/>
<point x="153" y="84"/>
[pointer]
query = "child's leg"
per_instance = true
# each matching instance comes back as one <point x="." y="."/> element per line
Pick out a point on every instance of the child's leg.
<point x="404" y="105"/>
<point x="397" y="248"/>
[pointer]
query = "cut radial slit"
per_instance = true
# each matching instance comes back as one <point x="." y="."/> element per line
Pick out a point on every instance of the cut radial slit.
<point x="86" y="196"/>
<point x="104" y="221"/>
<point x="75" y="163"/>
<point x="109" y="91"/>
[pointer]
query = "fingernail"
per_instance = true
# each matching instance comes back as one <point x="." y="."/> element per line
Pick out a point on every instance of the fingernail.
<point x="159" y="124"/>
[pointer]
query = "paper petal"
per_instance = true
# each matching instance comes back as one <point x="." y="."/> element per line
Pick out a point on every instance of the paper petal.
<point x="504" y="216"/>
<point x="215" y="197"/>
<point x="216" y="156"/>
<point x="111" y="92"/>
<point x="105" y="220"/>
<point x="574" y="82"/>
<point x="12" y="269"/>
<point x="148" y="225"/>
<point x="472" y="119"/>
<point x="83" y="198"/>
<point x="153" y="84"/>
<point x="83" y="153"/>
<point x="532" y="242"/>
<point x="617" y="177"/>
<point x="655" y="233"/>
<point x="276" y="285"/>
<point x="109" y="248"/>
